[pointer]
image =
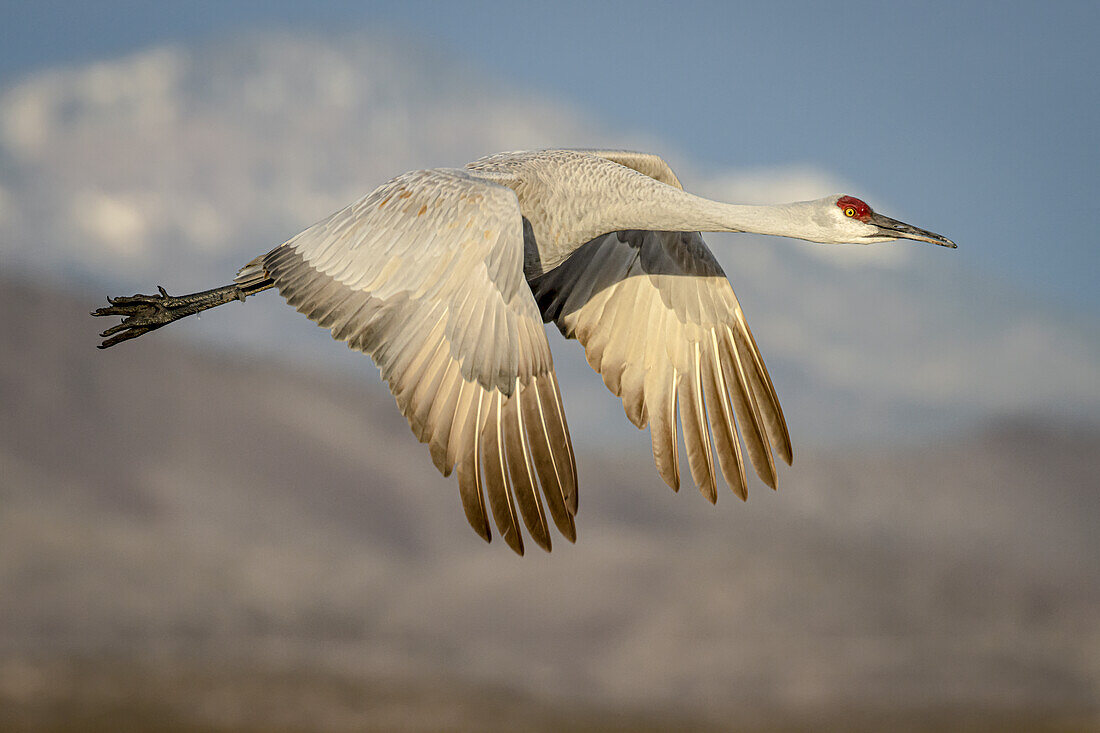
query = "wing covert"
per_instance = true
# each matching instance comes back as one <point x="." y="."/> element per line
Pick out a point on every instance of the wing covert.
<point x="648" y="164"/>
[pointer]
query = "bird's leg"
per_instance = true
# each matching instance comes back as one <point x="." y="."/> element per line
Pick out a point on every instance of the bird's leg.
<point x="144" y="313"/>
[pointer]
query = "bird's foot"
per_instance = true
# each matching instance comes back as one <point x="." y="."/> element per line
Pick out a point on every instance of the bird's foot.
<point x="142" y="314"/>
<point x="145" y="313"/>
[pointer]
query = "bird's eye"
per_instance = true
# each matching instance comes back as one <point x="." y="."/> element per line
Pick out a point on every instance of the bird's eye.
<point x="849" y="212"/>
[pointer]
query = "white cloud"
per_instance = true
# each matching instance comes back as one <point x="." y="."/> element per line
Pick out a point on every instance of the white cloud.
<point x="773" y="185"/>
<point x="26" y="115"/>
<point x="140" y="90"/>
<point x="113" y="223"/>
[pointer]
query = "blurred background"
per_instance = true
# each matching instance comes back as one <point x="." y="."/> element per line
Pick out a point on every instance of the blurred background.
<point x="228" y="526"/>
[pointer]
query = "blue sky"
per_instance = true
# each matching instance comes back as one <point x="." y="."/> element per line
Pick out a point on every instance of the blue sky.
<point x="979" y="120"/>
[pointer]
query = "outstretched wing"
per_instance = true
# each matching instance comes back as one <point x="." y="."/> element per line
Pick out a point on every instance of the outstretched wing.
<point x="425" y="275"/>
<point x="659" y="321"/>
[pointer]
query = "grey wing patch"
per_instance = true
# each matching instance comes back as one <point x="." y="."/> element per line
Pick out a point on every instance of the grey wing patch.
<point x="439" y="302"/>
<point x="661" y="324"/>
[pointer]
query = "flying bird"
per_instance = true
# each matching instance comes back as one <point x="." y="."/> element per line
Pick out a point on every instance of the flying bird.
<point x="446" y="276"/>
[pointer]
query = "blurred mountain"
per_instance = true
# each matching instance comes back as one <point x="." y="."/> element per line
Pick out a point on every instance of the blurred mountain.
<point x="179" y="163"/>
<point x="197" y="538"/>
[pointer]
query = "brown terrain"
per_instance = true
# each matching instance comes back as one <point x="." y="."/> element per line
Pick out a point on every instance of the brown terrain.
<point x="194" y="540"/>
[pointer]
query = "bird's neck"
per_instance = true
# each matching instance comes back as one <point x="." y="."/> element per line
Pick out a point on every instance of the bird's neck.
<point x="618" y="199"/>
<point x="670" y="209"/>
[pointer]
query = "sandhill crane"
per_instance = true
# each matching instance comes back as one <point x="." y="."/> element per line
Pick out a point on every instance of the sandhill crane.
<point x="445" y="277"/>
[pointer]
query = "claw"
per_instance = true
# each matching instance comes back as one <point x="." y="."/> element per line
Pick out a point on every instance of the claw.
<point x="124" y="336"/>
<point x="113" y="329"/>
<point x="140" y="314"/>
<point x="111" y="310"/>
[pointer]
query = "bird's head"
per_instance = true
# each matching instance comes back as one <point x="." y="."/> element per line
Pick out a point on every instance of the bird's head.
<point x="847" y="219"/>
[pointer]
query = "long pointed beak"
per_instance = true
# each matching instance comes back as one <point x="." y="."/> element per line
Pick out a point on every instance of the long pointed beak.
<point x="901" y="230"/>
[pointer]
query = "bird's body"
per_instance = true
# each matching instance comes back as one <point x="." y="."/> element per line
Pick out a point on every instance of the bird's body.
<point x="445" y="277"/>
<point x="569" y="197"/>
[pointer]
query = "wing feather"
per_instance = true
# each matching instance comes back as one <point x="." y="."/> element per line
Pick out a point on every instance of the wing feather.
<point x="425" y="275"/>
<point x="662" y="384"/>
<point x="467" y="420"/>
<point x="660" y="322"/>
<point x="632" y="382"/>
<point x="440" y="419"/>
<point x="524" y="481"/>
<point x="555" y="486"/>
<point x="722" y="422"/>
<point x="745" y="407"/>
<point x="693" y="417"/>
<point x="766" y="396"/>
<point x="496" y="477"/>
